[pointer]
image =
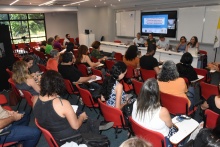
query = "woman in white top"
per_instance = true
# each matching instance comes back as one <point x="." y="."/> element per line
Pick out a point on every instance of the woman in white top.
<point x="148" y="112"/>
<point x="193" y="43"/>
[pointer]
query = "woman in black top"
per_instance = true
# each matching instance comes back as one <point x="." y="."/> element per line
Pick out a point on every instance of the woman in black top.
<point x="185" y="68"/>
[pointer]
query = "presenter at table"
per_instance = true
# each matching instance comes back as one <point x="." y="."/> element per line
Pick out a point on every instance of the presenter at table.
<point x="162" y="42"/>
<point x="138" y="39"/>
<point x="150" y="40"/>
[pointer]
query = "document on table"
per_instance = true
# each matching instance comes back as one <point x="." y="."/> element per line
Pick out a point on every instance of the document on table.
<point x="75" y="107"/>
<point x="100" y="65"/>
<point x="199" y="78"/>
<point x="97" y="78"/>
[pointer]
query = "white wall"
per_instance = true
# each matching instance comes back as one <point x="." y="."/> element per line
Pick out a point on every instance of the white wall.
<point x="61" y="23"/>
<point x="100" y="20"/>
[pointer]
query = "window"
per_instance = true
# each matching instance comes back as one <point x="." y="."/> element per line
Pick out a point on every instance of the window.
<point x="28" y="26"/>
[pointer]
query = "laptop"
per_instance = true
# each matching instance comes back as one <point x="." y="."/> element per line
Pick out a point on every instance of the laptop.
<point x="141" y="44"/>
<point x="112" y="57"/>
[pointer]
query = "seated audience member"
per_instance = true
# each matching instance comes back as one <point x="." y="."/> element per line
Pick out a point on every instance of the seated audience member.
<point x="112" y="89"/>
<point x="150" y="40"/>
<point x="96" y="51"/>
<point x="32" y="67"/>
<point x="24" y="81"/>
<point x="57" y="115"/>
<point x="138" y="39"/>
<point x="56" y="43"/>
<point x="193" y="43"/>
<point x="84" y="58"/>
<point x="17" y="123"/>
<point x="130" y="58"/>
<point x="162" y="42"/>
<point x="52" y="63"/>
<point x="181" y="47"/>
<point x="185" y="68"/>
<point x="69" y="47"/>
<point x="148" y="112"/>
<point x="70" y="72"/>
<point x="66" y="40"/>
<point x="148" y="62"/>
<point x="43" y="46"/>
<point x="135" y="142"/>
<point x="49" y="45"/>
<point x="213" y="103"/>
<point x="170" y="82"/>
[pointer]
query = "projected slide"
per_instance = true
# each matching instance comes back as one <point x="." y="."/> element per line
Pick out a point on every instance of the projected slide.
<point x="155" y="24"/>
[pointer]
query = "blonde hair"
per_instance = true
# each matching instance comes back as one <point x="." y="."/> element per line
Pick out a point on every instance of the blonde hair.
<point x="135" y="142"/>
<point x="20" y="72"/>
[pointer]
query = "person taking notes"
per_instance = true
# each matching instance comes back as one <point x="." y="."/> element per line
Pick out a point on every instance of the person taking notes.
<point x="138" y="39"/>
<point x="162" y="42"/>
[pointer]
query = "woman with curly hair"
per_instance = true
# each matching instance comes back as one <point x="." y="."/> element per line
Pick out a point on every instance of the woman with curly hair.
<point x="130" y="58"/>
<point x="112" y="89"/>
<point x="84" y="58"/>
<point x="170" y="82"/>
<point x="23" y="80"/>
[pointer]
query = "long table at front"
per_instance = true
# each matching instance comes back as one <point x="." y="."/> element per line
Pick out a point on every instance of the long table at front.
<point x="160" y="55"/>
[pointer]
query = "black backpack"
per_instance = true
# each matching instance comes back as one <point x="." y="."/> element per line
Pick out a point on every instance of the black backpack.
<point x="96" y="140"/>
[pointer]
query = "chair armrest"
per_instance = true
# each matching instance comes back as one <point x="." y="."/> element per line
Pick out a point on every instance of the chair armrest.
<point x="77" y="137"/>
<point x="5" y="133"/>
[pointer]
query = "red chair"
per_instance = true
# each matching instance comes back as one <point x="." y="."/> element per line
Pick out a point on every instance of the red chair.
<point x="146" y="74"/>
<point x="109" y="64"/>
<point x="72" y="40"/>
<point x="97" y="73"/>
<point x="117" y="41"/>
<point x="75" y="53"/>
<point x="90" y="49"/>
<point x="112" y="114"/>
<point x="4" y="102"/>
<point x="21" y="45"/>
<point x="130" y="72"/>
<point x="49" y="138"/>
<point x="70" y="90"/>
<point x="211" y="118"/>
<point x="33" y="44"/>
<point x="8" y="143"/>
<point x="28" y="96"/>
<point x="176" y="105"/>
<point x="186" y="81"/>
<point x="202" y="52"/>
<point x="77" y="40"/>
<point x="118" y="56"/>
<point x="93" y="59"/>
<point x="137" y="86"/>
<point x="87" y="99"/>
<point x="9" y="72"/>
<point x="204" y="73"/>
<point x="61" y="41"/>
<point x="155" y="138"/>
<point x="208" y="89"/>
<point x="83" y="69"/>
<point x="42" y="67"/>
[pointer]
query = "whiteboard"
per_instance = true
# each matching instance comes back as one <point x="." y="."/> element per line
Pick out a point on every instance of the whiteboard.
<point x="211" y="20"/>
<point x="125" y="23"/>
<point x="191" y="22"/>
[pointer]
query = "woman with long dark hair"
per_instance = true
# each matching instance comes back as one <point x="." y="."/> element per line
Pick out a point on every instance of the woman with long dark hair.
<point x="130" y="58"/>
<point x="147" y="110"/>
<point x="193" y="43"/>
<point x="112" y="89"/>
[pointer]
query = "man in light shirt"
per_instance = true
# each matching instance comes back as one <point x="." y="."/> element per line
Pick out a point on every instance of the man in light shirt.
<point x="162" y="42"/>
<point x="66" y="40"/>
<point x="138" y="39"/>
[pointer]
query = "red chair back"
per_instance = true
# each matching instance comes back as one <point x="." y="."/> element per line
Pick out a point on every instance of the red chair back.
<point x="42" y="68"/>
<point x="155" y="138"/>
<point x="83" y="69"/>
<point x="61" y="41"/>
<point x="208" y="89"/>
<point x="49" y="138"/>
<point x="90" y="49"/>
<point x="186" y="81"/>
<point x="28" y="96"/>
<point x="98" y="73"/>
<point x="33" y="44"/>
<point x="202" y="72"/>
<point x="117" y="41"/>
<point x="211" y="119"/>
<point x="112" y="114"/>
<point x="146" y="74"/>
<point x="77" y="40"/>
<point x="109" y="64"/>
<point x="21" y="45"/>
<point x="72" y="40"/>
<point x="14" y="88"/>
<point x="137" y="86"/>
<point x="69" y="87"/>
<point x="9" y="72"/>
<point x="4" y="101"/>
<point x="86" y="97"/>
<point x="130" y="72"/>
<point x="93" y="59"/>
<point x="118" y="56"/>
<point x="175" y="104"/>
<point x="203" y="52"/>
<point x="75" y="53"/>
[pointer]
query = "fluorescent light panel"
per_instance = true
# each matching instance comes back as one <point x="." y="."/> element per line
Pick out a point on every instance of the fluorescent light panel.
<point x="76" y="3"/>
<point x="14" y="2"/>
<point x="47" y="3"/>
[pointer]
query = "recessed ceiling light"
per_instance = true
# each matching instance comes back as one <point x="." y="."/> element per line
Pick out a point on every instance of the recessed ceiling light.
<point x="76" y="2"/>
<point x="95" y="5"/>
<point x="104" y="2"/>
<point x="111" y="4"/>
<point x="14" y="2"/>
<point x="30" y="3"/>
<point x="119" y="0"/>
<point x="47" y="3"/>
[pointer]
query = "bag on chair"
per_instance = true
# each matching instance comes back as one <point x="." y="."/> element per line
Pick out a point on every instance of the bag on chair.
<point x="96" y="140"/>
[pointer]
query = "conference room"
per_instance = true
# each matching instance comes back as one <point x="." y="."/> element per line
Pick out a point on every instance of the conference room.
<point x="114" y="24"/>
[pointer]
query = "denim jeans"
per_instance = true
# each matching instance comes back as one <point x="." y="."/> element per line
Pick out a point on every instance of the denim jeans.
<point x="191" y="96"/>
<point x="22" y="133"/>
